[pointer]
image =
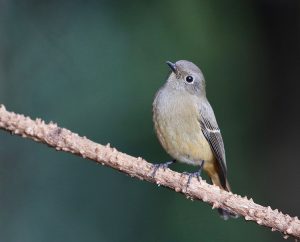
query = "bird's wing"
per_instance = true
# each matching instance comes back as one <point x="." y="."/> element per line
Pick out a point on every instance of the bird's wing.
<point x="212" y="133"/>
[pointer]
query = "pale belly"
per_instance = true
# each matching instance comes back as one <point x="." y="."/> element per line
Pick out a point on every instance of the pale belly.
<point x="179" y="132"/>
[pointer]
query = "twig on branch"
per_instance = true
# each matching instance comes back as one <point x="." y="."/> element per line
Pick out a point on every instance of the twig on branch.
<point x="65" y="140"/>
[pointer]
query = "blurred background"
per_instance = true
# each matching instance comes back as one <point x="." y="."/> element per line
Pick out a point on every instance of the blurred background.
<point x="94" y="67"/>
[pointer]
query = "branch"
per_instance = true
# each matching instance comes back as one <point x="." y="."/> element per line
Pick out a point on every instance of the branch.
<point x="65" y="140"/>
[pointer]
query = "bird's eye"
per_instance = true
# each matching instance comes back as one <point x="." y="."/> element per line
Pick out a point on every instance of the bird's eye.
<point x="189" y="79"/>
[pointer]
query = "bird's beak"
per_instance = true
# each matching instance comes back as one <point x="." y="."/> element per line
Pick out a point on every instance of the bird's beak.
<point x="172" y="66"/>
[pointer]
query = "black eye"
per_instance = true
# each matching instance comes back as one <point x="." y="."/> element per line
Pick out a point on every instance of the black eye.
<point x="189" y="79"/>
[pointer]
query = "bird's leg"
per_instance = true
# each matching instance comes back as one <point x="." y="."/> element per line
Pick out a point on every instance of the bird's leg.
<point x="162" y="165"/>
<point x="196" y="174"/>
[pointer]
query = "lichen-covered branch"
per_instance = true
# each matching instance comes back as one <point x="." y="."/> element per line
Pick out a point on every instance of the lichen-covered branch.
<point x="65" y="140"/>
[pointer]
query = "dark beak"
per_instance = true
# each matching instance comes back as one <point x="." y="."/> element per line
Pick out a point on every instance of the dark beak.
<point x="172" y="66"/>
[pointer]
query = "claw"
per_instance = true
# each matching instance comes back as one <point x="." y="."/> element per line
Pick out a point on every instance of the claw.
<point x="191" y="175"/>
<point x="196" y="174"/>
<point x="163" y="165"/>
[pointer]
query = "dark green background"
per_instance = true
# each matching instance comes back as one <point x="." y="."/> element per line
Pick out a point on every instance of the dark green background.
<point x="94" y="67"/>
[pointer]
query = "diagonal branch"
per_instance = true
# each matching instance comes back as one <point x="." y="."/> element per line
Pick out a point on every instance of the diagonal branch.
<point x="65" y="140"/>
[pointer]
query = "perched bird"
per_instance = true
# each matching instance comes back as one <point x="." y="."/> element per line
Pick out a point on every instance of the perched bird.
<point x="186" y="126"/>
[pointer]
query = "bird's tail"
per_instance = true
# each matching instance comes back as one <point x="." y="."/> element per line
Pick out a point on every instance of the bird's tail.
<point x="217" y="180"/>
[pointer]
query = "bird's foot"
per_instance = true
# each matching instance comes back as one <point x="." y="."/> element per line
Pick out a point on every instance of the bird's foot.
<point x="162" y="165"/>
<point x="196" y="174"/>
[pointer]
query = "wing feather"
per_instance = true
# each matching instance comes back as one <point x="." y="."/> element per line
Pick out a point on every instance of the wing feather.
<point x="213" y="135"/>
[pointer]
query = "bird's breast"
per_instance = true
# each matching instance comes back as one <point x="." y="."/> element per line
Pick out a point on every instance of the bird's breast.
<point x="176" y="121"/>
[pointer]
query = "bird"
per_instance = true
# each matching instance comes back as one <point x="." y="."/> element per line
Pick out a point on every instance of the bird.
<point x="187" y="128"/>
